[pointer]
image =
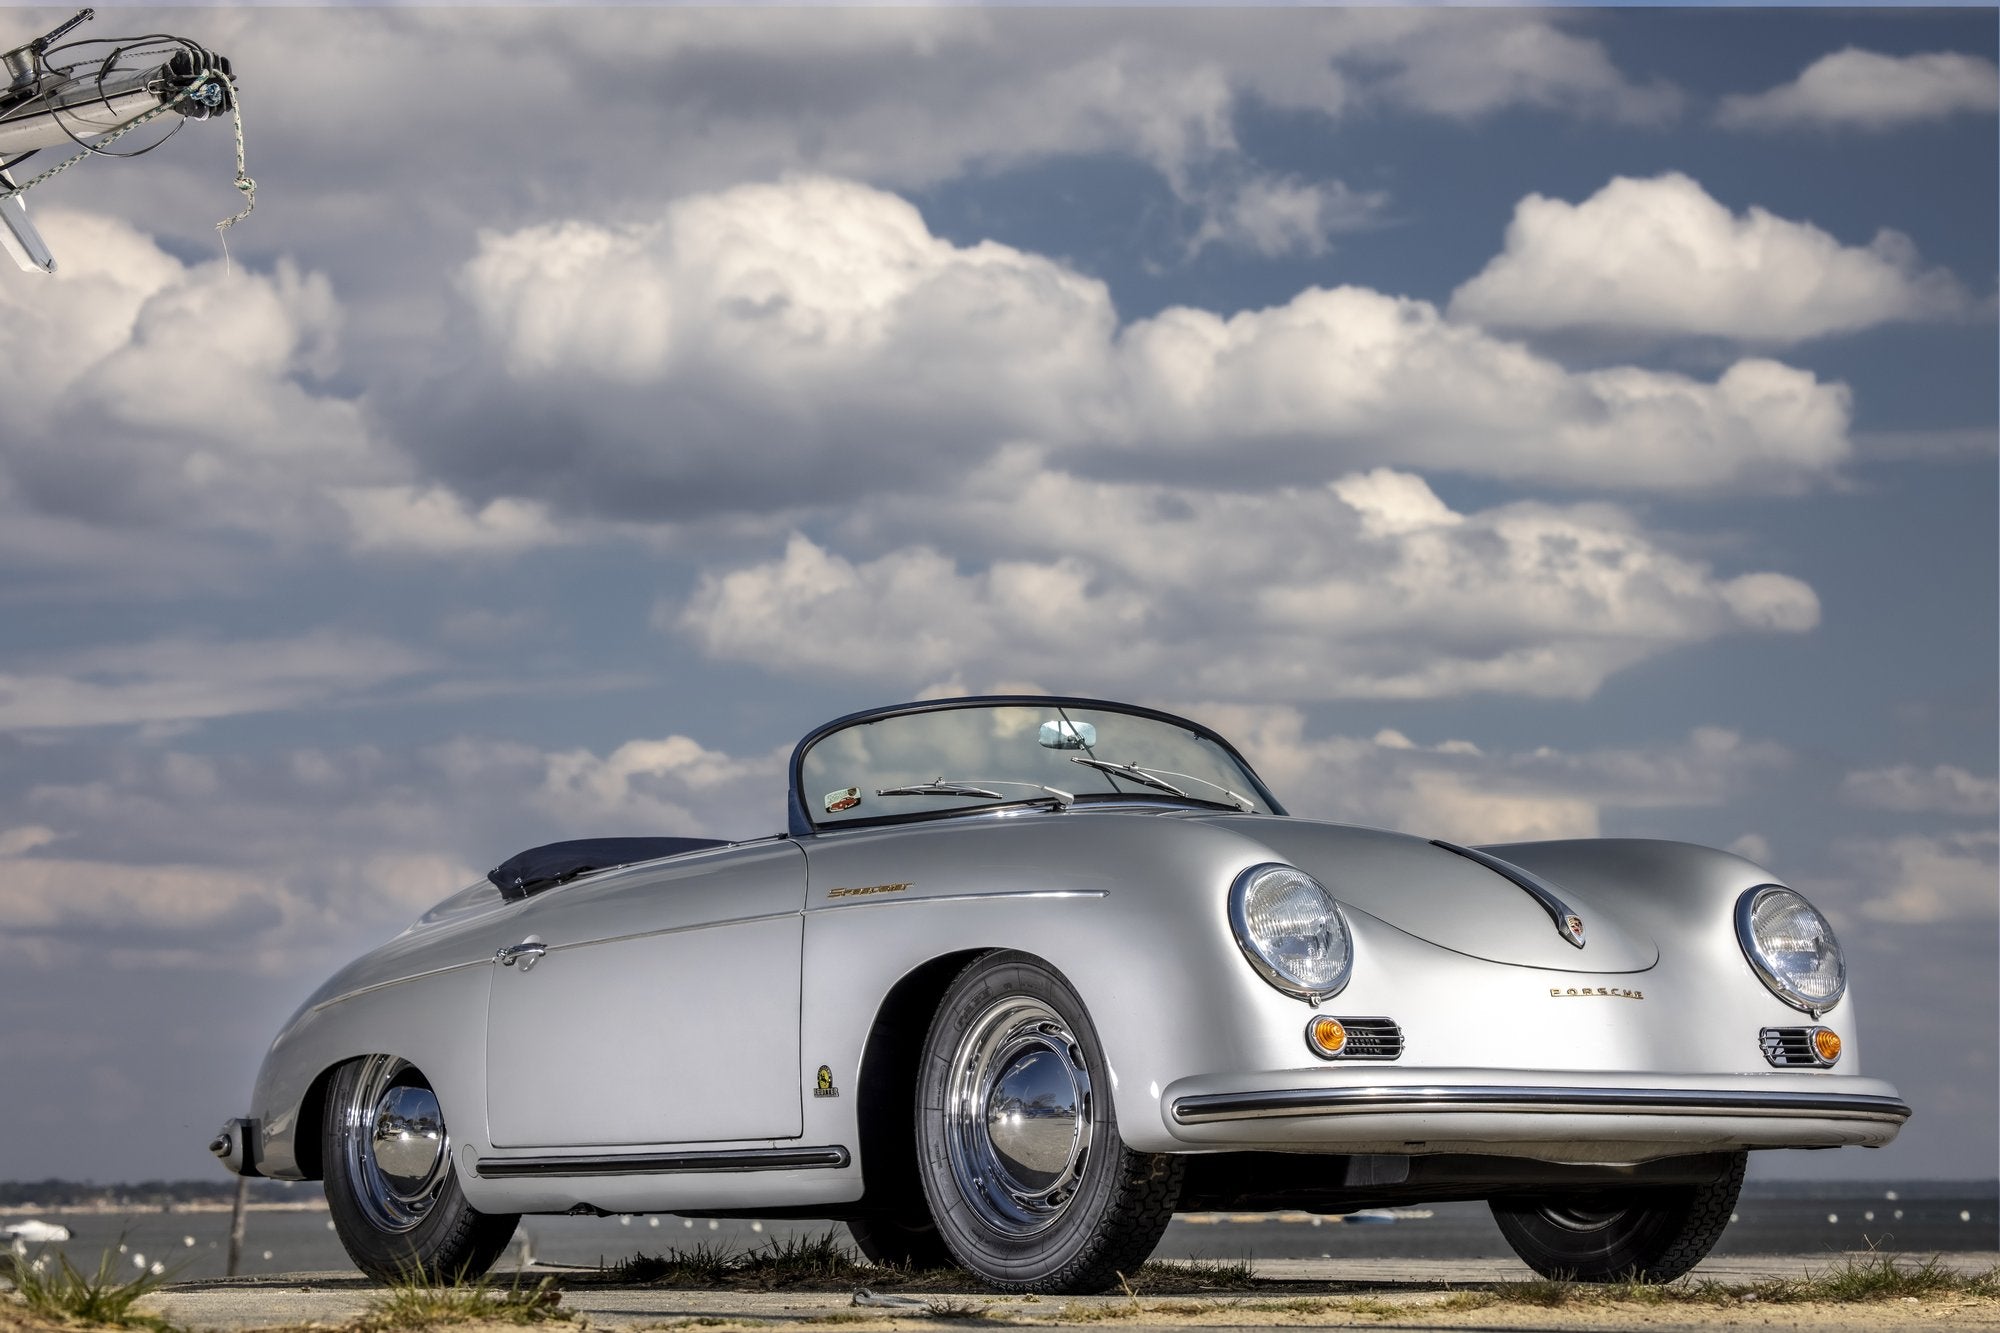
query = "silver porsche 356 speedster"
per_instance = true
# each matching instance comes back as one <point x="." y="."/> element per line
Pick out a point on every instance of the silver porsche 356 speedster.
<point x="1024" y="976"/>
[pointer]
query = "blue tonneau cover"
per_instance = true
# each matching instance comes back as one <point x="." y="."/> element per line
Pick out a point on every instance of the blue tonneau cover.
<point x="539" y="868"/>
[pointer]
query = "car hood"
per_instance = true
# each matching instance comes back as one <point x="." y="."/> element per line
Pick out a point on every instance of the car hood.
<point x="1440" y="896"/>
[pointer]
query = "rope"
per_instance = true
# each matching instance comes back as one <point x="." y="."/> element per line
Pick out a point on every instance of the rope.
<point x="70" y="161"/>
<point x="244" y="182"/>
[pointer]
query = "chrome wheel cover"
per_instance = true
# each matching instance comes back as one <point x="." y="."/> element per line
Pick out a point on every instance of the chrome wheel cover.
<point x="1017" y="1116"/>
<point x="397" y="1151"/>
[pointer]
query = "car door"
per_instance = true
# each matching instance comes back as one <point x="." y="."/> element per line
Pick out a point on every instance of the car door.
<point x="662" y="1006"/>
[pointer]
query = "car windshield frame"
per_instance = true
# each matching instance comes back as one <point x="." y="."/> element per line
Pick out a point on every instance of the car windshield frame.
<point x="799" y="816"/>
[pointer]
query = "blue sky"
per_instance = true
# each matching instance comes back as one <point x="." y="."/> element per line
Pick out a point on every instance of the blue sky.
<point x="1502" y="423"/>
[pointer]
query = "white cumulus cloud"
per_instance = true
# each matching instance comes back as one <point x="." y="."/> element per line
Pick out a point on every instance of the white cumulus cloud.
<point x="1459" y="790"/>
<point x="1942" y="789"/>
<point x="1919" y="878"/>
<point x="1860" y="89"/>
<point x="1273" y="215"/>
<point x="1661" y="256"/>
<point x="773" y="344"/>
<point x="1367" y="588"/>
<point x="188" y="679"/>
<point x="281" y="859"/>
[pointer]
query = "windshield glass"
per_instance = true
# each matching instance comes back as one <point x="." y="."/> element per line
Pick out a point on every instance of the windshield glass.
<point x="988" y="755"/>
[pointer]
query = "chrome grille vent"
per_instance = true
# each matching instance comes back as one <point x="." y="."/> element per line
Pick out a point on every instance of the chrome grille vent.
<point x="1786" y="1047"/>
<point x="1372" y="1039"/>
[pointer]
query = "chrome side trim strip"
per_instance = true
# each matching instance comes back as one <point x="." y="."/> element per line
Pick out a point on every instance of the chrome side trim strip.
<point x="959" y="898"/>
<point x="1568" y="924"/>
<point x="1534" y="1101"/>
<point x="688" y="928"/>
<point x="425" y="975"/>
<point x="669" y="1163"/>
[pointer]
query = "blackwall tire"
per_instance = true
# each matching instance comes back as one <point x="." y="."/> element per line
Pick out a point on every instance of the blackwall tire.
<point x="1651" y="1235"/>
<point x="1029" y="1184"/>
<point x="390" y="1183"/>
<point x="901" y="1240"/>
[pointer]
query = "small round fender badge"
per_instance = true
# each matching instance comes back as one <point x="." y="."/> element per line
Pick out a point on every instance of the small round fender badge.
<point x="823" y="1084"/>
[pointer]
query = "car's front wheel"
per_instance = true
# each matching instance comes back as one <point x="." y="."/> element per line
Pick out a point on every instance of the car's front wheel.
<point x="1029" y="1185"/>
<point x="1651" y="1235"/>
<point x="390" y="1185"/>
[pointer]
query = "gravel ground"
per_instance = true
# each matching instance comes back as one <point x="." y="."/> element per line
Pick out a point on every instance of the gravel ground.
<point x="1402" y="1294"/>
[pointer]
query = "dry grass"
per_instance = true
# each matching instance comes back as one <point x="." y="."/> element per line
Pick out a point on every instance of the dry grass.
<point x="60" y="1293"/>
<point x="415" y="1303"/>
<point x="819" y="1262"/>
<point x="1176" y="1277"/>
<point x="1861" y="1281"/>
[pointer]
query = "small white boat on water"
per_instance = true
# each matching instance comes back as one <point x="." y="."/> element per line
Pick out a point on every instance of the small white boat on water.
<point x="35" y="1231"/>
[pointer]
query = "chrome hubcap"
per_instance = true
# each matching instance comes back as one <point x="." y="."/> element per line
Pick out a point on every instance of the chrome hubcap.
<point x="398" y="1152"/>
<point x="1586" y="1216"/>
<point x="1017" y="1116"/>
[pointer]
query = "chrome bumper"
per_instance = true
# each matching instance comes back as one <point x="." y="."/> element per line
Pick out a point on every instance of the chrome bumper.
<point x="1533" y="1101"/>
<point x="236" y="1147"/>
<point x="1559" y="1116"/>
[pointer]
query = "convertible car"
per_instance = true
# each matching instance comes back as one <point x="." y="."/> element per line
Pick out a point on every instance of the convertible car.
<point x="1026" y="975"/>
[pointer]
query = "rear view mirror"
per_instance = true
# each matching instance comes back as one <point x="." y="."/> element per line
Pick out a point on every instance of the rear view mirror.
<point x="1068" y="736"/>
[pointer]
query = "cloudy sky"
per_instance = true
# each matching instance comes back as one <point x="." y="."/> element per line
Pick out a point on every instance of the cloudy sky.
<point x="1503" y="424"/>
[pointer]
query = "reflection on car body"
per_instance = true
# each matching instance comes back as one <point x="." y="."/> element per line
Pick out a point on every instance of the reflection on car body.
<point x="1023" y="976"/>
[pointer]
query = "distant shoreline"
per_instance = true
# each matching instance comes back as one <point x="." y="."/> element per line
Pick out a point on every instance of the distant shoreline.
<point x="153" y="1198"/>
<point x="113" y="1209"/>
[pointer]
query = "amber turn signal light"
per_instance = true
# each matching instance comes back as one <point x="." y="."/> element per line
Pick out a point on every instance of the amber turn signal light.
<point x="1326" y="1036"/>
<point x="1826" y="1045"/>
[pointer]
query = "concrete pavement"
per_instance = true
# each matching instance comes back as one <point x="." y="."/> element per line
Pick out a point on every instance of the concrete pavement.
<point x="1402" y="1292"/>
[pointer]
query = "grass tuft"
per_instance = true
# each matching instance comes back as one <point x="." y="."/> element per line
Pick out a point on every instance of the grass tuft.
<point x="803" y="1261"/>
<point x="703" y="1266"/>
<point x="64" y="1294"/>
<point x="818" y="1261"/>
<point x="1861" y="1281"/>
<point x="414" y="1302"/>
<point x="1880" y="1278"/>
<point x="954" y="1310"/>
<point x="1166" y="1277"/>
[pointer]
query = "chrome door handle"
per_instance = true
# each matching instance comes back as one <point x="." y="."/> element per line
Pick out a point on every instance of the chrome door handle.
<point x="526" y="953"/>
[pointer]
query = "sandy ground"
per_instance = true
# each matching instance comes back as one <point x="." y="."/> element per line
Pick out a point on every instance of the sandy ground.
<point x="1400" y="1294"/>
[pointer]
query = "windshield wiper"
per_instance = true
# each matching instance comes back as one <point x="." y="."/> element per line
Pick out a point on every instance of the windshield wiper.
<point x="1152" y="777"/>
<point x="1063" y="800"/>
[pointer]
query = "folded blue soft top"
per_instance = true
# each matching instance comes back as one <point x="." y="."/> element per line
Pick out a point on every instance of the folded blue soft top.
<point x="544" y="867"/>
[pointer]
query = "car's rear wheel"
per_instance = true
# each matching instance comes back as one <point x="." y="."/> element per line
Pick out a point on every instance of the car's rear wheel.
<point x="1029" y="1184"/>
<point x="390" y="1185"/>
<point x="1651" y="1235"/>
<point x="905" y="1239"/>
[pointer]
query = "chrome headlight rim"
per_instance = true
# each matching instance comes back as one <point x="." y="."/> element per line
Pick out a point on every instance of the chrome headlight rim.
<point x="1274" y="975"/>
<point x="1746" y="936"/>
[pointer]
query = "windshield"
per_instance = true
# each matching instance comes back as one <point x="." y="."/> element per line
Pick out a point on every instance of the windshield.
<point x="985" y="755"/>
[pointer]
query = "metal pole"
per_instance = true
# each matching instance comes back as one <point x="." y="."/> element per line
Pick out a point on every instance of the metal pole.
<point x="236" y="1225"/>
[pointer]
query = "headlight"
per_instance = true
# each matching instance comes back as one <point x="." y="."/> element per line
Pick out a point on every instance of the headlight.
<point x="1791" y="947"/>
<point x="1291" y="930"/>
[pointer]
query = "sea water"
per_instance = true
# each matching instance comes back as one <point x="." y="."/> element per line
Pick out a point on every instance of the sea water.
<point x="1772" y="1218"/>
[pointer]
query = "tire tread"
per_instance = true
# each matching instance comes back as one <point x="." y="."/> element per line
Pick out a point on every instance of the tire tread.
<point x="1656" y="1239"/>
<point x="1144" y="1187"/>
<point x="456" y="1242"/>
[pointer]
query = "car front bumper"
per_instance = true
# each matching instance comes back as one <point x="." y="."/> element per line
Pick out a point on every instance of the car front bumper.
<point x="1554" y="1115"/>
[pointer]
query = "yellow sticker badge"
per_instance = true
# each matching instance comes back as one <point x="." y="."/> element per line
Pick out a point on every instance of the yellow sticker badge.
<point x="823" y="1085"/>
<point x="866" y="890"/>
